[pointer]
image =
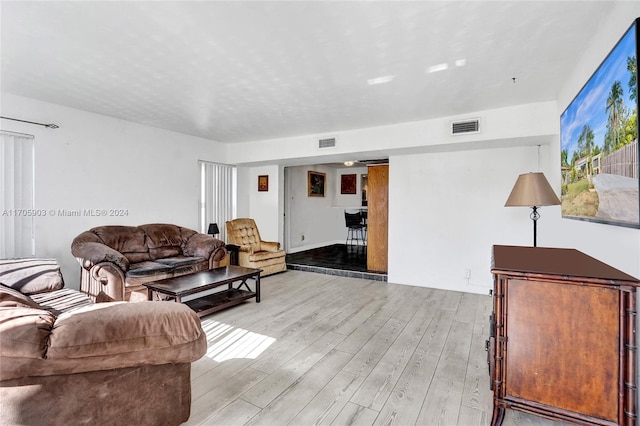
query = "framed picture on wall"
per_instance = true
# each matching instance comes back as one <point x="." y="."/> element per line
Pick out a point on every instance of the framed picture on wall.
<point x="348" y="184"/>
<point x="263" y="183"/>
<point x="316" y="182"/>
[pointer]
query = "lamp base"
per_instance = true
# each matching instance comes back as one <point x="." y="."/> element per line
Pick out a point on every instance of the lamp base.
<point x="534" y="217"/>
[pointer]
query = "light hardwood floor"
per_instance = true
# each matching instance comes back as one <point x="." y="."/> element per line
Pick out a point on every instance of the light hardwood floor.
<point x="328" y="350"/>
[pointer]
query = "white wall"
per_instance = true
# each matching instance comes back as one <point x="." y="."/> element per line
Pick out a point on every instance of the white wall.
<point x="446" y="211"/>
<point x="313" y="221"/>
<point x="97" y="162"/>
<point x="264" y="206"/>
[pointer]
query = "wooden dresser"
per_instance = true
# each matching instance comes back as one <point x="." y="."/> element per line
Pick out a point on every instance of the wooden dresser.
<point x="562" y="343"/>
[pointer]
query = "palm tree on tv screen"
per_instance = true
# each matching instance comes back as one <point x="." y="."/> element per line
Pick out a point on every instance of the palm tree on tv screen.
<point x="631" y="67"/>
<point x="615" y="108"/>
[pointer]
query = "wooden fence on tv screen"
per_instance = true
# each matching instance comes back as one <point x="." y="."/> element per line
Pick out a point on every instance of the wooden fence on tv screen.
<point x="623" y="162"/>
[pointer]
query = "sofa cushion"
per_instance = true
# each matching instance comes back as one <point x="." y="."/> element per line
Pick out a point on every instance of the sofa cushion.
<point x="60" y="301"/>
<point x="24" y="332"/>
<point x="31" y="275"/>
<point x="145" y="269"/>
<point x="124" y="329"/>
<point x="163" y="240"/>
<point x="162" y="252"/>
<point x="180" y="261"/>
<point x="125" y="239"/>
<point x="137" y="257"/>
<point x="162" y="235"/>
<point x="12" y="298"/>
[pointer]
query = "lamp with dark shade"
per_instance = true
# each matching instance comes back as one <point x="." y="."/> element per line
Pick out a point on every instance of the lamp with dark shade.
<point x="213" y="229"/>
<point x="532" y="190"/>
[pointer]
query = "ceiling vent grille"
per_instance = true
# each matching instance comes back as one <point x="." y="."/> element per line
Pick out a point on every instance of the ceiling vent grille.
<point x="374" y="162"/>
<point x="327" y="143"/>
<point x="465" y="127"/>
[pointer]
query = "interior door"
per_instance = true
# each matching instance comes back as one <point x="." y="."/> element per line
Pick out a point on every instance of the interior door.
<point x="377" y="220"/>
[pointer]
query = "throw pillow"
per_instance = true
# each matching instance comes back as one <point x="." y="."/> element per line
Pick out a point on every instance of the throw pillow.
<point x="31" y="275"/>
<point x="12" y="298"/>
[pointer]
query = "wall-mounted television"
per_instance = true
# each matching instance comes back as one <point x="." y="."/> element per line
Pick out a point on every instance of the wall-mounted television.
<point x="599" y="141"/>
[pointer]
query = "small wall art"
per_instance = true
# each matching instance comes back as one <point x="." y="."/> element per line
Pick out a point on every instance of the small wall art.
<point x="348" y="184"/>
<point x="263" y="183"/>
<point x="316" y="182"/>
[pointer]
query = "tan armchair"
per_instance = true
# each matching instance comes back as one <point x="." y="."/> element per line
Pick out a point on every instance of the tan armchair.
<point x="255" y="253"/>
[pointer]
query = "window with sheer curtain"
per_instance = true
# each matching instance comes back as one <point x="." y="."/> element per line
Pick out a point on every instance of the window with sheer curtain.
<point x="17" y="158"/>
<point x="217" y="196"/>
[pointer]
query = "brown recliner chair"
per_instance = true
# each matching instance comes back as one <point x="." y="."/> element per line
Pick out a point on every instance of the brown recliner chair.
<point x="253" y="252"/>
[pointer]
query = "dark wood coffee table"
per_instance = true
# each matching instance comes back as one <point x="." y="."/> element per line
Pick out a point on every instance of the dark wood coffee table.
<point x="198" y="282"/>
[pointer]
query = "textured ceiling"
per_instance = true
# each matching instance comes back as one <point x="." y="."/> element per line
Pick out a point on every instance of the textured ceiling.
<point x="241" y="71"/>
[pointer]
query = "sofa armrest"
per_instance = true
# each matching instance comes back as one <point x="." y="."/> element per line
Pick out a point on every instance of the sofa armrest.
<point x="23" y="334"/>
<point x="269" y="245"/>
<point x="89" y="254"/>
<point x="246" y="249"/>
<point x="104" y="277"/>
<point x="206" y="246"/>
<point x="114" y="335"/>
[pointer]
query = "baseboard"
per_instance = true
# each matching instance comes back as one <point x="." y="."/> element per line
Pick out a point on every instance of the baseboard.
<point x="339" y="272"/>
<point x="314" y="246"/>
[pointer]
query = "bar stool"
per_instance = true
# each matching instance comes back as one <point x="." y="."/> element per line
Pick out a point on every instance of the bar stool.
<point x="355" y="228"/>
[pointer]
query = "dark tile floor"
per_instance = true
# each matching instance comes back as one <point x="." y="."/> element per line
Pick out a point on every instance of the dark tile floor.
<point x="337" y="259"/>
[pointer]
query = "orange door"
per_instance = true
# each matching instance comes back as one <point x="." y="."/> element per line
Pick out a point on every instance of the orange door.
<point x="377" y="217"/>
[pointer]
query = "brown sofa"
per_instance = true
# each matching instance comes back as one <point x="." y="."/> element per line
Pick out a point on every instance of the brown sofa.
<point x="253" y="252"/>
<point x="65" y="360"/>
<point x="118" y="260"/>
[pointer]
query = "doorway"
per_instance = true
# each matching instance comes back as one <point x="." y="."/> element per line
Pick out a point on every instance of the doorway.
<point x="314" y="228"/>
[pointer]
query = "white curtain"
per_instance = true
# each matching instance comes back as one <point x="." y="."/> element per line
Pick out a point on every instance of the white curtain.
<point x="17" y="158"/>
<point x="217" y="196"/>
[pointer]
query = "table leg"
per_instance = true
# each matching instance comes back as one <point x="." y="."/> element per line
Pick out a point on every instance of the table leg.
<point x="258" y="288"/>
<point x="498" y="415"/>
<point x="149" y="294"/>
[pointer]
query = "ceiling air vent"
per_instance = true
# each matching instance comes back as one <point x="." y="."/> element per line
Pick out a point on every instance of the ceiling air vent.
<point x="465" y="127"/>
<point x="327" y="143"/>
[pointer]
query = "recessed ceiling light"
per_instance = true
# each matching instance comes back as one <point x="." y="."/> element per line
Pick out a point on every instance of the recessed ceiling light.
<point x="348" y="163"/>
<point x="380" y="80"/>
<point x="436" y="68"/>
<point x="461" y="62"/>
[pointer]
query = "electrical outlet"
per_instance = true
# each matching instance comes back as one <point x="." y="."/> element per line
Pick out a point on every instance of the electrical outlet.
<point x="467" y="273"/>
